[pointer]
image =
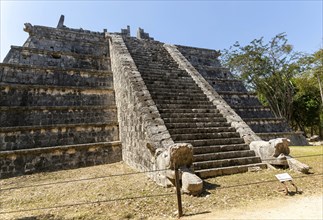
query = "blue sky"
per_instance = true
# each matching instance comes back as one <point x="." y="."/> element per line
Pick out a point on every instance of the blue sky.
<point x="209" y="24"/>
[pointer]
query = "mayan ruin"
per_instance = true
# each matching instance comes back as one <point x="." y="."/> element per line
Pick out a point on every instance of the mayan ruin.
<point x="73" y="98"/>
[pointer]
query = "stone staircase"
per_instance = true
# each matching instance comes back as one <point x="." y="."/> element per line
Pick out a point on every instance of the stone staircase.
<point x="188" y="115"/>
<point x="246" y="104"/>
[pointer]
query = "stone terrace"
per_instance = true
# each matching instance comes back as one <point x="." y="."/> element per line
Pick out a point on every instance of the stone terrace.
<point x="260" y="119"/>
<point x="57" y="103"/>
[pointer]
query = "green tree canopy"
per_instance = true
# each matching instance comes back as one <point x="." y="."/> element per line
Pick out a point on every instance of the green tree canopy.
<point x="268" y="69"/>
<point x="307" y="104"/>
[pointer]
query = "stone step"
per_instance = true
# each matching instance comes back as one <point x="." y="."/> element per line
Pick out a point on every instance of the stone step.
<point x="242" y="94"/>
<point x="176" y="92"/>
<point x="220" y="148"/>
<point x="197" y="125"/>
<point x="264" y="120"/>
<point x="289" y="135"/>
<point x="252" y="112"/>
<point x="228" y="86"/>
<point x="238" y="101"/>
<point x="225" y="162"/>
<point x="148" y="69"/>
<point x="216" y="79"/>
<point x="145" y="60"/>
<point x="218" y="73"/>
<point x="167" y="77"/>
<point x="182" y="96"/>
<point x="185" y="110"/>
<point x="159" y="74"/>
<point x="180" y="106"/>
<point x="171" y="82"/>
<point x="163" y="75"/>
<point x="174" y="88"/>
<point x="212" y="142"/>
<point x="190" y="115"/>
<point x="213" y="68"/>
<point x="224" y="155"/>
<point x="194" y="120"/>
<point x="200" y="130"/>
<point x="182" y="102"/>
<point x="204" y="136"/>
<point x="263" y="125"/>
<point x="213" y="172"/>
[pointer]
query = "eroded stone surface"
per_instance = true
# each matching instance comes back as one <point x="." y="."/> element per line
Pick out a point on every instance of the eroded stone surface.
<point x="272" y="148"/>
<point x="191" y="183"/>
<point x="276" y="152"/>
<point x="180" y="156"/>
<point x="297" y="165"/>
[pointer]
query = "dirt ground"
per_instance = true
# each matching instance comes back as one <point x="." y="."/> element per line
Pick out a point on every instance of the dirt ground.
<point x="251" y="195"/>
<point x="287" y="207"/>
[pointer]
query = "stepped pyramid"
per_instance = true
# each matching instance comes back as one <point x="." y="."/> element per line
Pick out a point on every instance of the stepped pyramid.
<point x="72" y="98"/>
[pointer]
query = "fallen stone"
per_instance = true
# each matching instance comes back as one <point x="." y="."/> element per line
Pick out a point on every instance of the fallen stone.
<point x="191" y="184"/>
<point x="314" y="138"/>
<point x="297" y="165"/>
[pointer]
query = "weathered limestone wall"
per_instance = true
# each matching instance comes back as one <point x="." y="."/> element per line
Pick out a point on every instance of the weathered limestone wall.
<point x="232" y="117"/>
<point x="57" y="103"/>
<point x="37" y="57"/>
<point x="21" y="162"/>
<point x="56" y="115"/>
<point x="22" y="95"/>
<point x="77" y="35"/>
<point x="51" y="76"/>
<point x="142" y="131"/>
<point x="28" y="137"/>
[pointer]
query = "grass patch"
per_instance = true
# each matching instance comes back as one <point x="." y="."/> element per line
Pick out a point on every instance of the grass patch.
<point x="220" y="193"/>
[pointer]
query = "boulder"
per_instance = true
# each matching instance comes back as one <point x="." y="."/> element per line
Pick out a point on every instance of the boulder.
<point x="297" y="165"/>
<point x="191" y="183"/>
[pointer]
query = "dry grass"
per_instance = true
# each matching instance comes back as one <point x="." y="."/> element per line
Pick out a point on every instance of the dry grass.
<point x="221" y="192"/>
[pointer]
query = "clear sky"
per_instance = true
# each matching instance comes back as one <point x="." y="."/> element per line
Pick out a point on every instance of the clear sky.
<point x="209" y="24"/>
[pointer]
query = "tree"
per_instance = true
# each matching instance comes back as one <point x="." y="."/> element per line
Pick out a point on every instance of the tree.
<point x="307" y="104"/>
<point x="268" y="69"/>
<point x="308" y="107"/>
<point x="313" y="64"/>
